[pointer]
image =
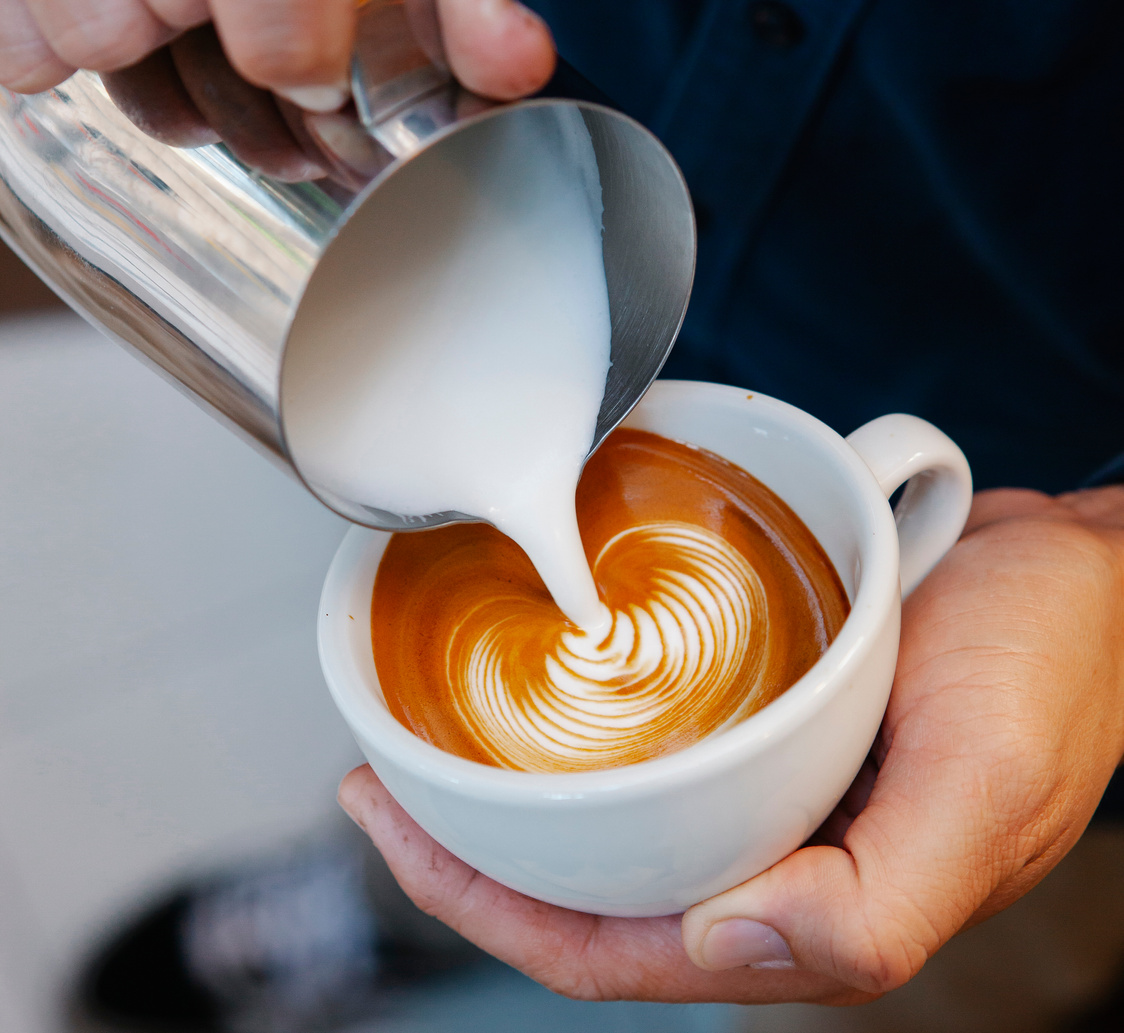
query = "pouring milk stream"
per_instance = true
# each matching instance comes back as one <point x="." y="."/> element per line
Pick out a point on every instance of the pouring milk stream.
<point x="487" y="403"/>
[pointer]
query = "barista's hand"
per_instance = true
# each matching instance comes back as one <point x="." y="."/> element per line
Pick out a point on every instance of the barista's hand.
<point x="195" y="71"/>
<point x="1005" y="723"/>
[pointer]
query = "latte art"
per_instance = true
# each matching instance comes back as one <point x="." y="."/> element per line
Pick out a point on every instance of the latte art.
<point x="717" y="598"/>
<point x="666" y="662"/>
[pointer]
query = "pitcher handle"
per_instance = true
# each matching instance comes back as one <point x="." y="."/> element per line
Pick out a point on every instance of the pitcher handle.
<point x="403" y="89"/>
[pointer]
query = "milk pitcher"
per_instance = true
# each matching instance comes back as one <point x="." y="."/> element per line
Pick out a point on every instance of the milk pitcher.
<point x="200" y="264"/>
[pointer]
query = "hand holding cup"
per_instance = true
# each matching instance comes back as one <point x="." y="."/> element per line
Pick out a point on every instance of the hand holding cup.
<point x="654" y="838"/>
<point x="1004" y="725"/>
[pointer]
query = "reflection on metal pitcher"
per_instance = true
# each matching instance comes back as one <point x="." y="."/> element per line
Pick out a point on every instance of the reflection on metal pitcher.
<point x="199" y="263"/>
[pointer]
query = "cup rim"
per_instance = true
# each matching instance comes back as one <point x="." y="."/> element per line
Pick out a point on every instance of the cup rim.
<point x="878" y="589"/>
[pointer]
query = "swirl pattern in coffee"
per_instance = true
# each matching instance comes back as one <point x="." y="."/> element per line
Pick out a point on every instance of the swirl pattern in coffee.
<point x="719" y="598"/>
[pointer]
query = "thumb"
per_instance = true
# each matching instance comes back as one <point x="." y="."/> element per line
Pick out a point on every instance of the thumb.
<point x="497" y="48"/>
<point x="914" y="867"/>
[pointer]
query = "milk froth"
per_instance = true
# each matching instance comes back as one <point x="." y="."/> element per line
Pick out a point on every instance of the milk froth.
<point x="470" y="376"/>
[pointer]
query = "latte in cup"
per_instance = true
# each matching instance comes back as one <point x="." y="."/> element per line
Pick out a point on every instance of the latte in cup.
<point x="720" y="599"/>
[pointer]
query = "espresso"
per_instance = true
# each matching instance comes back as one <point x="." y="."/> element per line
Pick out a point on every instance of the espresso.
<point x="720" y="599"/>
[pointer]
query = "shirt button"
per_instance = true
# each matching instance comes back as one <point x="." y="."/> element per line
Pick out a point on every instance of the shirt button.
<point x="776" y="24"/>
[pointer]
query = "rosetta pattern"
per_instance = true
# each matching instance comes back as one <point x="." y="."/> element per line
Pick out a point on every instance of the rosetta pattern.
<point x="686" y="652"/>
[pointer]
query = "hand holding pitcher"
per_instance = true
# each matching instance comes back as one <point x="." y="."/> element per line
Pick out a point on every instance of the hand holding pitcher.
<point x="188" y="71"/>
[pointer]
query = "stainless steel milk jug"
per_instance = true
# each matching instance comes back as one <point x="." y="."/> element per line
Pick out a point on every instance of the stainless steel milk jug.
<point x="200" y="264"/>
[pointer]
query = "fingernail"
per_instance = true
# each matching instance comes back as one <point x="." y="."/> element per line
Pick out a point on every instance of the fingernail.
<point x="741" y="942"/>
<point x="297" y="170"/>
<point x="345" y="140"/>
<point x="316" y="98"/>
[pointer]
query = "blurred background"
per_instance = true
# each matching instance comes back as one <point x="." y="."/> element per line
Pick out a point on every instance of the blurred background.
<point x="163" y="722"/>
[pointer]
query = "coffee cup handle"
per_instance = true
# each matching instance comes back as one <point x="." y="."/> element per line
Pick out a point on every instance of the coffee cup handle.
<point x="934" y="506"/>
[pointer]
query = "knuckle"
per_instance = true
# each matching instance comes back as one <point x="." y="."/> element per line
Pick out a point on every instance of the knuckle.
<point x="427" y="903"/>
<point x="876" y="974"/>
<point x="576" y="986"/>
<point x="97" y="42"/>
<point x="846" y="998"/>
<point x="885" y="961"/>
<point x="434" y="882"/>
<point x="580" y="975"/>
<point x="426" y="898"/>
<point x="32" y="80"/>
<point x="29" y="67"/>
<point x="277" y="58"/>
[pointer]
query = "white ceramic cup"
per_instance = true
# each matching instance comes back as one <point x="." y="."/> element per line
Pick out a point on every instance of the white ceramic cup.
<point x="656" y="837"/>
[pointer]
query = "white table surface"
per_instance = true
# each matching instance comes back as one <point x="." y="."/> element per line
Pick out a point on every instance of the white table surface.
<point x="161" y="704"/>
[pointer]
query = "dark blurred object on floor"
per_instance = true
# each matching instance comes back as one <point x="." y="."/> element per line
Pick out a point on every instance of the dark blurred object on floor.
<point x="1106" y="1017"/>
<point x="1111" y="809"/>
<point x="20" y="289"/>
<point x="1106" y="1012"/>
<point x="307" y="942"/>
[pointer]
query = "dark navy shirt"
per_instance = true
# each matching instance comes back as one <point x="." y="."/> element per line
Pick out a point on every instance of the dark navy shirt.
<point x="910" y="205"/>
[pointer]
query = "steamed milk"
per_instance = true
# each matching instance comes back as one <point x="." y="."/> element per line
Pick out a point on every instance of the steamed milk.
<point x="467" y="369"/>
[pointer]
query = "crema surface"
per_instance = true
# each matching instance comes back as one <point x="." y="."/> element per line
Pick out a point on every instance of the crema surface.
<point x="720" y="598"/>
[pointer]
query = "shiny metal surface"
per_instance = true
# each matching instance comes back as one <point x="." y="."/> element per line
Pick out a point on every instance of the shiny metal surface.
<point x="199" y="264"/>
